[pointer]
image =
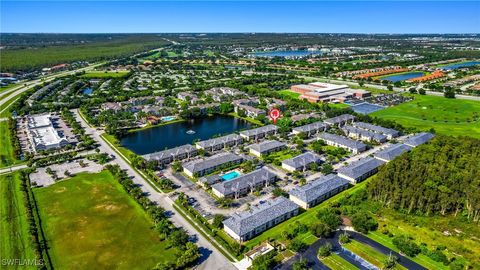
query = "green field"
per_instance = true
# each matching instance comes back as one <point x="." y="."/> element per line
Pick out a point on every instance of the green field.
<point x="333" y="261"/>
<point x="289" y="93"/>
<point x="105" y="74"/>
<point x="15" y="238"/>
<point x="10" y="86"/>
<point x="7" y="156"/>
<point x="369" y="254"/>
<point x="92" y="223"/>
<point x="446" y="116"/>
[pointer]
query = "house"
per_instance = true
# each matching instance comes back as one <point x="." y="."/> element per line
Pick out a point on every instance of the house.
<point x="169" y="155"/>
<point x="339" y="120"/>
<point x="363" y="134"/>
<point x="300" y="117"/>
<point x="392" y="151"/>
<point x="266" y="147"/>
<point x="111" y="106"/>
<point x="259" y="133"/>
<point x="390" y="133"/>
<point x="186" y="96"/>
<point x="343" y="142"/>
<point x="201" y="167"/>
<point x="300" y="162"/>
<point x="318" y="190"/>
<point x="220" y="142"/>
<point x="244" y="184"/>
<point x="246" y="225"/>
<point x="246" y="105"/>
<point x="418" y="139"/>
<point x="360" y="170"/>
<point x="310" y="129"/>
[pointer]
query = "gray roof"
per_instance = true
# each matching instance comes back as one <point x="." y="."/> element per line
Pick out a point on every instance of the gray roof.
<point x="377" y="129"/>
<point x="339" y="119"/>
<point x="318" y="187"/>
<point x="360" y="167"/>
<point x="220" y="140"/>
<point x="419" y="138"/>
<point x="311" y="127"/>
<point x="392" y="151"/>
<point x="342" y="140"/>
<point x="245" y="222"/>
<point x="364" y="133"/>
<point x="211" y="179"/>
<point x="173" y="152"/>
<point x="260" y="130"/>
<point x="266" y="146"/>
<point x="210" y="162"/>
<point x="244" y="181"/>
<point x="302" y="160"/>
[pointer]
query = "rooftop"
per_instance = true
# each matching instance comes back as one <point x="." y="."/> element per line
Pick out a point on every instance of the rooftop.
<point x="418" y="139"/>
<point x="311" y="127"/>
<point x="244" y="181"/>
<point x="219" y="140"/>
<point x="266" y="146"/>
<point x="260" y="130"/>
<point x="302" y="160"/>
<point x="183" y="149"/>
<point x="360" y="167"/>
<point x="374" y="128"/>
<point x="318" y="187"/>
<point x="339" y="119"/>
<point x="210" y="162"/>
<point x="364" y="133"/>
<point x="342" y="140"/>
<point x="392" y="151"/>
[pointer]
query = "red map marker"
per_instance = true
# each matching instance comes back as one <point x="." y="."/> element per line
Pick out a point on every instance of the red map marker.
<point x="274" y="114"/>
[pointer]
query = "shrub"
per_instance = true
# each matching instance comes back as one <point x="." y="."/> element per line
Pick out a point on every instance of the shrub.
<point x="406" y="245"/>
<point x="297" y="245"/>
<point x="324" y="250"/>
<point x="363" y="222"/>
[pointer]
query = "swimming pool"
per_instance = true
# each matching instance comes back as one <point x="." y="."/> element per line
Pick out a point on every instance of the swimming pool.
<point x="231" y="175"/>
<point x="167" y="118"/>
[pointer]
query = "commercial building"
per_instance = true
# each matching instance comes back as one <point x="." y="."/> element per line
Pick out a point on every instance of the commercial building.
<point x="310" y="129"/>
<point x="418" y="139"/>
<point x="42" y="134"/>
<point x="389" y="132"/>
<point x="362" y="134"/>
<point x="266" y="147"/>
<point x="392" y="152"/>
<point x="201" y="167"/>
<point x="300" y="162"/>
<point x="169" y="155"/>
<point x="246" y="225"/>
<point x="244" y="184"/>
<point x="326" y="92"/>
<point x="343" y="142"/>
<point x="259" y="133"/>
<point x="340" y="120"/>
<point x="360" y="170"/>
<point x="220" y="142"/>
<point x="318" y="190"/>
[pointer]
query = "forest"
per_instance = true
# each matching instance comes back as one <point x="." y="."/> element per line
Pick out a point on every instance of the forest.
<point x="439" y="177"/>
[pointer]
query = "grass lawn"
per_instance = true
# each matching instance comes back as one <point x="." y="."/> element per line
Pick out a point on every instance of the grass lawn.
<point x="369" y="254"/>
<point x="446" y="116"/>
<point x="105" y="74"/>
<point x="92" y="223"/>
<point x="10" y="86"/>
<point x="15" y="241"/>
<point x="289" y="93"/>
<point x="251" y="120"/>
<point x="282" y="155"/>
<point x="7" y="156"/>
<point x="336" y="262"/>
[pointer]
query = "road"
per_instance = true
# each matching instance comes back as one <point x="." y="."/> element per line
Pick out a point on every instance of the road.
<point x="13" y="168"/>
<point x="211" y="257"/>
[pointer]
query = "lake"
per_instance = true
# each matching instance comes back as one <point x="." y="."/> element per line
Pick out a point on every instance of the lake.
<point x="460" y="65"/>
<point x="172" y="135"/>
<point x="286" y="54"/>
<point x="402" y="77"/>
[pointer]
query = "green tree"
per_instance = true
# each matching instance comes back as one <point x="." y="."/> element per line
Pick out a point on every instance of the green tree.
<point x="324" y="250"/>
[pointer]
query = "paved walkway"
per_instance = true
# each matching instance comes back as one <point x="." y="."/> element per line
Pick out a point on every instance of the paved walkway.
<point x="211" y="257"/>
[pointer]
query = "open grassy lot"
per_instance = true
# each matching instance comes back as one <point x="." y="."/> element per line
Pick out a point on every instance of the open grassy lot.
<point x="10" y="86"/>
<point x="369" y="254"/>
<point x="289" y="93"/>
<point x="105" y="74"/>
<point x="15" y="240"/>
<point x="336" y="262"/>
<point x="446" y="116"/>
<point x="92" y="223"/>
<point x="7" y="156"/>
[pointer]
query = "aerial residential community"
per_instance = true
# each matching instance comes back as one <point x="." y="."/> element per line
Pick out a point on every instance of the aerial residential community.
<point x="193" y="146"/>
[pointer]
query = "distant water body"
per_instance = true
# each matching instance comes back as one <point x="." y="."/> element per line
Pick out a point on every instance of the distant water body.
<point x="460" y="65"/>
<point x="286" y="54"/>
<point x="402" y="77"/>
<point x="172" y="135"/>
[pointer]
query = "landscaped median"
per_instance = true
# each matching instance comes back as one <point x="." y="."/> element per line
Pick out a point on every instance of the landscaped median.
<point x="369" y="254"/>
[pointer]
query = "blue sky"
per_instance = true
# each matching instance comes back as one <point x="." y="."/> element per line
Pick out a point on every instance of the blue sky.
<point x="243" y="16"/>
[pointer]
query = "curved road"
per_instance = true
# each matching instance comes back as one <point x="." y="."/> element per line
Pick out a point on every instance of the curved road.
<point x="311" y="253"/>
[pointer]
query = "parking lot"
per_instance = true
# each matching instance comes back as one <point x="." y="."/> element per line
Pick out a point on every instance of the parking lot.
<point x="41" y="178"/>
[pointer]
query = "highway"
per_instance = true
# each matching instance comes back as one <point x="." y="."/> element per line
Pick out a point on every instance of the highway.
<point x="211" y="257"/>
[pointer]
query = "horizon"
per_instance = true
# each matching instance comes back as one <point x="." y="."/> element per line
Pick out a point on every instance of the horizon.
<point x="312" y="17"/>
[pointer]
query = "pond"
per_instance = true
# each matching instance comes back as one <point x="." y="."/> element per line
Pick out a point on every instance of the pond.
<point x="402" y="76"/>
<point x="460" y="65"/>
<point x="87" y="91"/>
<point x="286" y="54"/>
<point x="172" y="135"/>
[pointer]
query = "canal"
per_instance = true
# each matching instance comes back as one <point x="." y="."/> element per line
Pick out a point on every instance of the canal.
<point x="168" y="136"/>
